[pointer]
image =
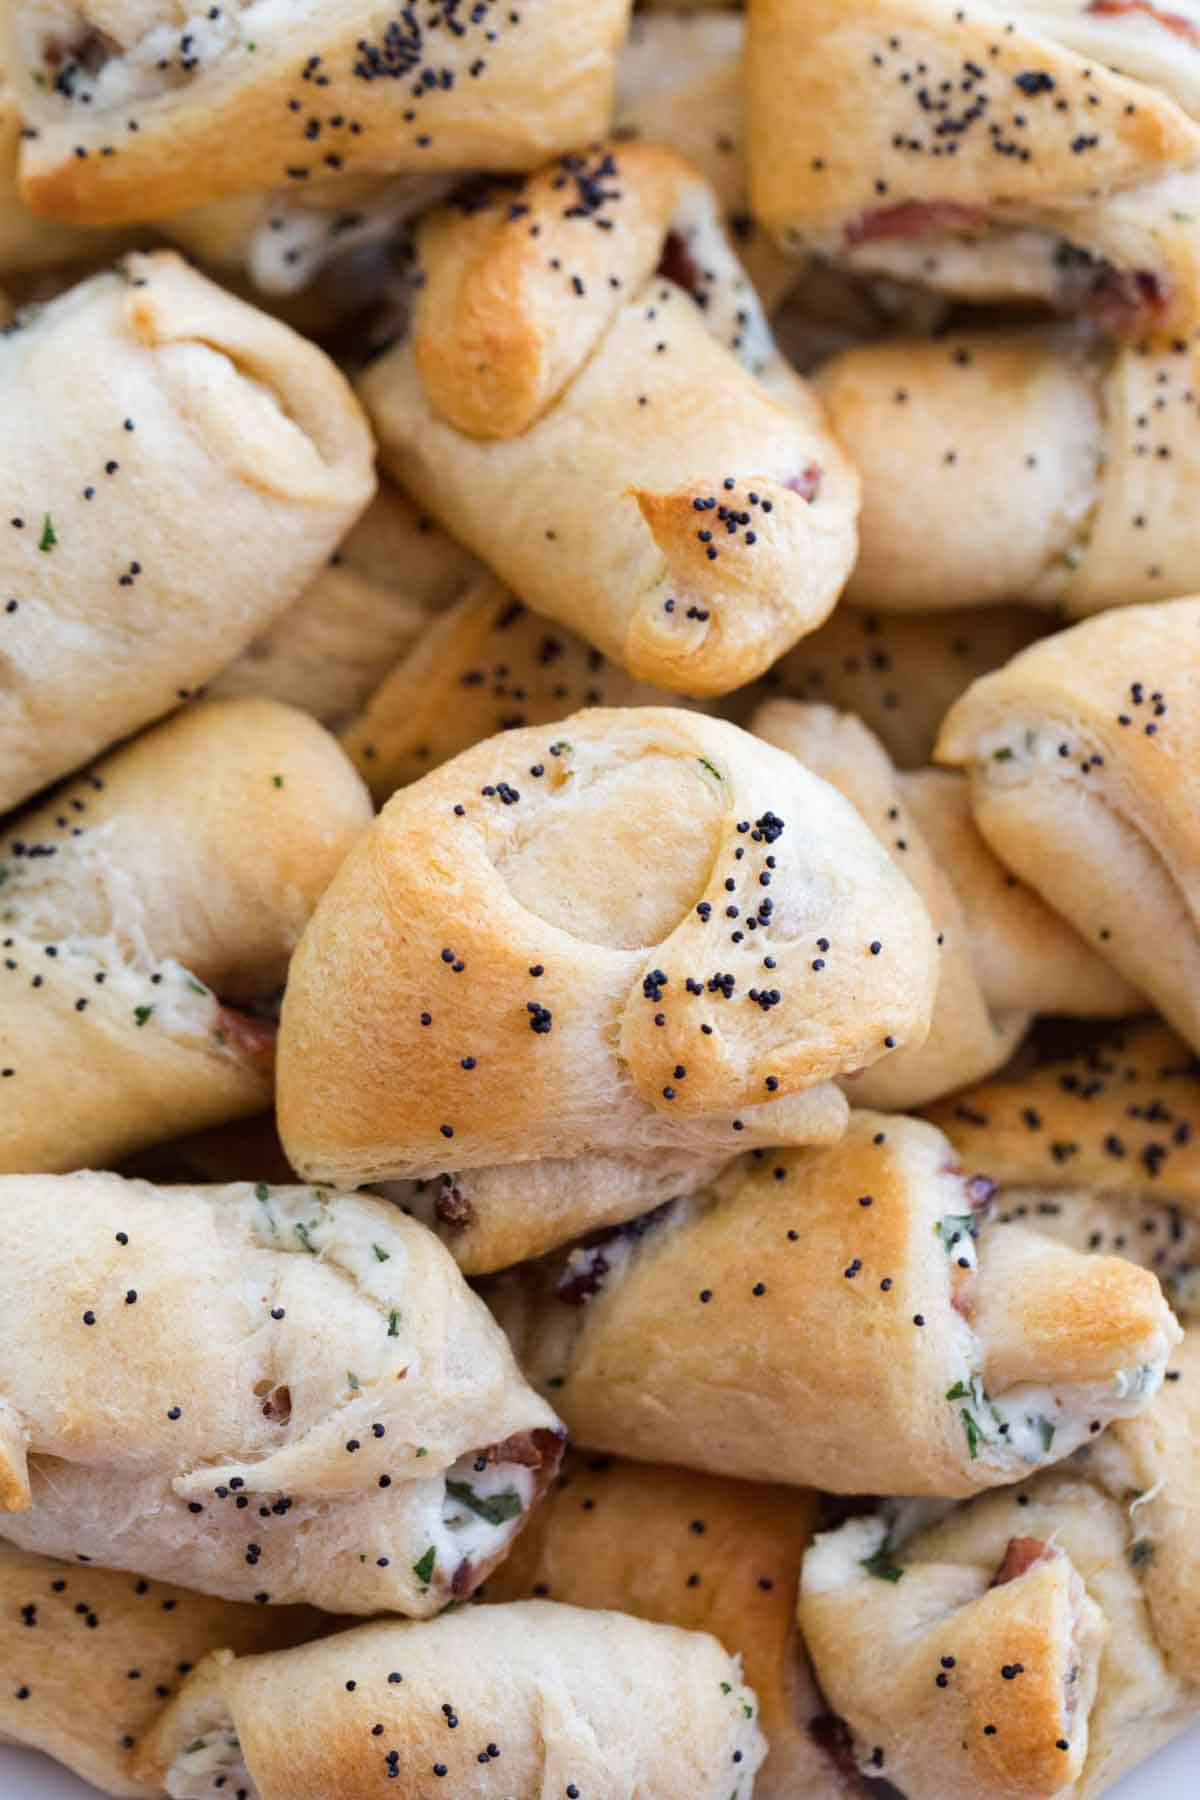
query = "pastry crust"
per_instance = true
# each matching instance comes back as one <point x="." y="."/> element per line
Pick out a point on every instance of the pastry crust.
<point x="1023" y="467"/>
<point x="596" y="1701"/>
<point x="374" y="601"/>
<point x="574" y="417"/>
<point x="851" y="1324"/>
<point x="230" y="111"/>
<point x="1081" y="754"/>
<point x="1036" y="1643"/>
<point x="695" y="1551"/>
<point x="145" y="905"/>
<point x="72" y="1637"/>
<point x="563" y="1001"/>
<point x="919" y="138"/>
<point x="26" y="241"/>
<point x="170" y="1353"/>
<point x="142" y="410"/>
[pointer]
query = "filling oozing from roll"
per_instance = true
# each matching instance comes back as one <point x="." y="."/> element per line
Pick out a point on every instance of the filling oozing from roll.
<point x="212" y="1763"/>
<point x="91" y="56"/>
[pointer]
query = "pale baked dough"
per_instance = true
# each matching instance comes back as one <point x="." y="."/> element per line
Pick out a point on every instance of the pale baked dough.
<point x="524" y="1699"/>
<point x="640" y="933"/>
<point x="178" y="467"/>
<point x="144" y="109"/>
<point x="1035" y="1643"/>
<point x="145" y="906"/>
<point x="580" y="407"/>
<point x="1081" y="754"/>
<point x="841" y="1318"/>
<point x="955" y="147"/>
<point x="271" y="1394"/>
<point x="1039" y="468"/>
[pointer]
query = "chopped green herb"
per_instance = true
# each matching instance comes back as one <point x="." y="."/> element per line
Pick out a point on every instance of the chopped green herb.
<point x="197" y="987"/>
<point x="381" y="1255"/>
<point x="954" y="1228"/>
<point x="423" y="1569"/>
<point x="725" y="1688"/>
<point x="142" y="1013"/>
<point x="1047" y="1431"/>
<point x="261" y="1191"/>
<point x="1141" y="1552"/>
<point x="1004" y="754"/>
<point x="302" y="1232"/>
<point x="714" y="772"/>
<point x="973" y="1433"/>
<point x="278" y="780"/>
<point x="393" y="1324"/>
<point x="196" y="1744"/>
<point x="495" y="1508"/>
<point x="557" y="749"/>
<point x="422" y="1450"/>
<point x="960" y="1391"/>
<point x="49" y="536"/>
<point x="881" y="1565"/>
<point x="352" y="1378"/>
<point x="748" y="1710"/>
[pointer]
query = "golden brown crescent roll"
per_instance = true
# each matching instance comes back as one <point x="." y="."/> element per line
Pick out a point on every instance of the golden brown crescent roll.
<point x="26" y="241"/>
<point x="487" y="665"/>
<point x="953" y="146"/>
<point x="501" y="1700"/>
<point x="840" y="1318"/>
<point x="272" y="1394"/>
<point x="695" y="1551"/>
<point x="179" y="467"/>
<point x="370" y="604"/>
<point x="642" y="932"/>
<point x="141" y="111"/>
<point x="679" y="83"/>
<point x="171" y="879"/>
<point x="1032" y="1644"/>
<point x="1097" y="1149"/>
<point x="577" y="404"/>
<point x="89" y="1657"/>
<point x="968" y="1038"/>
<point x="1079" y="753"/>
<point x="1017" y="466"/>
<point x="900" y="672"/>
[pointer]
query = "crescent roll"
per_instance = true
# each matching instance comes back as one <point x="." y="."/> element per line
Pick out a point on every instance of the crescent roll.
<point x="141" y="111"/>
<point x="841" y="1318"/>
<point x="970" y="150"/>
<point x="1034" y="1643"/>
<point x="503" y="1700"/>
<point x="1097" y="1149"/>
<point x="487" y="665"/>
<point x="1020" y="467"/>
<point x="89" y="1657"/>
<point x="146" y="904"/>
<point x="705" y="1554"/>
<point x="900" y="672"/>
<point x="577" y="403"/>
<point x="26" y="241"/>
<point x="483" y="984"/>
<point x="1079" y="753"/>
<point x="368" y="606"/>
<point x="270" y="1394"/>
<point x="141" y="411"/>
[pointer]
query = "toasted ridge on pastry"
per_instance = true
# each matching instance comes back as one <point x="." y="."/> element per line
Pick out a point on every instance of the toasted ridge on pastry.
<point x="229" y="112"/>
<point x="147" y="903"/>
<point x="959" y="147"/>
<point x="374" y="601"/>
<point x="698" y="1552"/>
<point x="187" y="1349"/>
<point x="841" y="1318"/>
<point x="71" y="1637"/>
<point x="487" y="664"/>
<point x="179" y="467"/>
<point x="543" y="1698"/>
<point x="901" y="672"/>
<point x="640" y="932"/>
<point x="1080" y="752"/>
<point x="579" y="407"/>
<point x="1036" y="1642"/>
<point x="1020" y="466"/>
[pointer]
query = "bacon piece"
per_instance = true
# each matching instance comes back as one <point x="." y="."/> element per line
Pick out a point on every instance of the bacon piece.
<point x="1021" y="1555"/>
<point x="677" y="264"/>
<point x="251" y="1039"/>
<point x="807" y="483"/>
<point x="540" y="1448"/>
<point x="915" y="219"/>
<point x="1176" y="22"/>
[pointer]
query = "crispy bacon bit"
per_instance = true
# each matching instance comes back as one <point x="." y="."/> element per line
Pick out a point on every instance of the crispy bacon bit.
<point x="831" y="1735"/>
<point x="915" y="219"/>
<point x="252" y="1039"/>
<point x="1021" y="1555"/>
<point x="529" y="1449"/>
<point x="452" y="1206"/>
<point x="962" y="1291"/>
<point x="1122" y="301"/>
<point x="1172" y="21"/>
<point x="583" y="1277"/>
<point x="807" y="483"/>
<point x="678" y="265"/>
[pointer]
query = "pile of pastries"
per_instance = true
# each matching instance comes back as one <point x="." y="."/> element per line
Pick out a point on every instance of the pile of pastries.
<point x="599" y="840"/>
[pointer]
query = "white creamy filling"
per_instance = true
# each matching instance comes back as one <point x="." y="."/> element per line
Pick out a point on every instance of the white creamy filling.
<point x="210" y="1765"/>
<point x="73" y="62"/>
<point x="1031" y="1425"/>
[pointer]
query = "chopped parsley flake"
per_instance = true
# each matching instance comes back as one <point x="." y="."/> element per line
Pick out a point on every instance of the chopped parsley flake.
<point x="495" y="1508"/>
<point x="424" y="1567"/>
<point x="49" y="536"/>
<point x="881" y="1565"/>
